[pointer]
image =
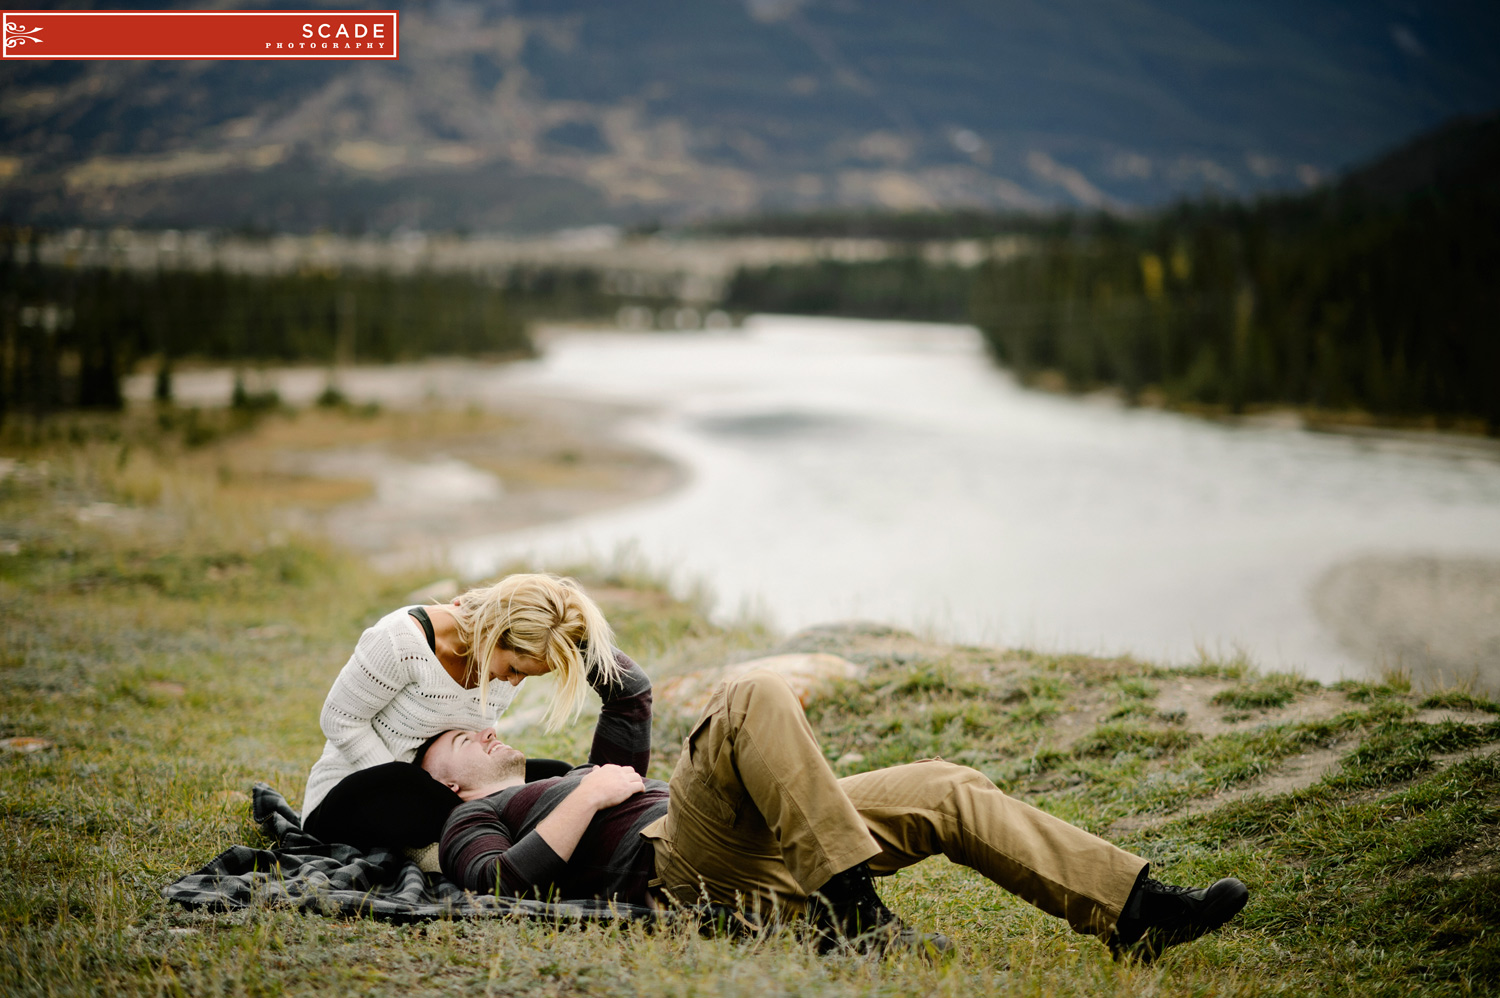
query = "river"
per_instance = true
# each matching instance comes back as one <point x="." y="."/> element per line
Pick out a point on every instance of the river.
<point x="889" y="471"/>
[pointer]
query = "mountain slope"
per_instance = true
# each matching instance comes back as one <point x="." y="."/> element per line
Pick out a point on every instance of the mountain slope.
<point x="541" y="113"/>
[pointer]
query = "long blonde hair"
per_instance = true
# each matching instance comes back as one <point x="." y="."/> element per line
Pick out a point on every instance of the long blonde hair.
<point x="547" y="617"/>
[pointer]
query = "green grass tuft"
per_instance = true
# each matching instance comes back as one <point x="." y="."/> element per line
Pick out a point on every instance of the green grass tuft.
<point x="1264" y="692"/>
<point x="1110" y="739"/>
<point x="1459" y="700"/>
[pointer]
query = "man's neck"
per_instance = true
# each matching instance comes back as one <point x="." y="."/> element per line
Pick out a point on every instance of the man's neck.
<point x="490" y="789"/>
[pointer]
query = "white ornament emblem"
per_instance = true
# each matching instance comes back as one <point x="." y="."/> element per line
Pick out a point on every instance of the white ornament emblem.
<point x="19" y="34"/>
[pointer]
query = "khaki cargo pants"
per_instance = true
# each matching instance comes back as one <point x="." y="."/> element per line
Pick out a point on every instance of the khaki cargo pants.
<point x="756" y="814"/>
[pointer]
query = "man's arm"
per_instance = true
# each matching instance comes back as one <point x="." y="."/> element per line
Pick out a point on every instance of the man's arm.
<point x="605" y="787"/>
<point x="623" y="735"/>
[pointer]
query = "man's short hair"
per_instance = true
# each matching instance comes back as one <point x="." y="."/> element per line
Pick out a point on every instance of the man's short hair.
<point x="422" y="749"/>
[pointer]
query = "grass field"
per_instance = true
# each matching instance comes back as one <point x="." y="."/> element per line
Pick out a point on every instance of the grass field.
<point x="171" y="644"/>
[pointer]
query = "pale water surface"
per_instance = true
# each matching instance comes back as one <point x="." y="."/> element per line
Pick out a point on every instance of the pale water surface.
<point x="888" y="471"/>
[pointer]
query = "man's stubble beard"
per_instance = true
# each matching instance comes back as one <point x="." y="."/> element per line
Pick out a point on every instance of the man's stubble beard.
<point x="511" y="764"/>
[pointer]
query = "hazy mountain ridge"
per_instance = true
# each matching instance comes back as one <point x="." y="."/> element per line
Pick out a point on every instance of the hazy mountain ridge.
<point x="528" y="115"/>
<point x="1461" y="159"/>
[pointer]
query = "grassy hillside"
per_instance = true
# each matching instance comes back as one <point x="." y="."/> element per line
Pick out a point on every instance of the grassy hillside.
<point x="170" y="645"/>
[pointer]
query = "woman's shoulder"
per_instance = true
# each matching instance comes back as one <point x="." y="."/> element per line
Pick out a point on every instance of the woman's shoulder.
<point x="399" y="623"/>
<point x="396" y="637"/>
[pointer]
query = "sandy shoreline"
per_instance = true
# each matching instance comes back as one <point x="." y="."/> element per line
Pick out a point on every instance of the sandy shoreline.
<point x="553" y="460"/>
<point x="442" y="460"/>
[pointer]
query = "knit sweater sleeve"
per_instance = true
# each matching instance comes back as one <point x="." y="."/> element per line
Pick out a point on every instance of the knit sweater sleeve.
<point x="623" y="733"/>
<point x="368" y="682"/>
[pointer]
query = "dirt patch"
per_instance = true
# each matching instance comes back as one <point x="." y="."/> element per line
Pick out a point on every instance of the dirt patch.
<point x="1478" y="858"/>
<point x="865" y="642"/>
<point x="1441" y="714"/>
<point x="1294" y="773"/>
<point x="1316" y="705"/>
<point x="1077" y="718"/>
<point x="1299" y="772"/>
<point x="1190" y="697"/>
<point x="1447" y="759"/>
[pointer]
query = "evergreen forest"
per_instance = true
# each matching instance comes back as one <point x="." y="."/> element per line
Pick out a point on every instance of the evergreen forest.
<point x="68" y="335"/>
<point x="1380" y="294"/>
<point x="1336" y="301"/>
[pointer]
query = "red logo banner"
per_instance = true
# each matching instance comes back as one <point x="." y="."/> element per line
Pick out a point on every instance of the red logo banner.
<point x="181" y="34"/>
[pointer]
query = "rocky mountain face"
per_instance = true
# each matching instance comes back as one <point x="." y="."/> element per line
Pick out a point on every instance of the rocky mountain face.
<point x="528" y="115"/>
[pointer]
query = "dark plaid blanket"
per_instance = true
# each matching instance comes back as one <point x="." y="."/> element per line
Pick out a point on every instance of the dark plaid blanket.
<point x="311" y="875"/>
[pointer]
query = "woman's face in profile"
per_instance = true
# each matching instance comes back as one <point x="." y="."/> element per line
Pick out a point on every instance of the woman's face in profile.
<point x="505" y="666"/>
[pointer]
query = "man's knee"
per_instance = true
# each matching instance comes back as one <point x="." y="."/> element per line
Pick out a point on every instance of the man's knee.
<point x="759" y="699"/>
<point x="760" y="690"/>
<point x="952" y="782"/>
<point x="965" y="775"/>
<point x="950" y="772"/>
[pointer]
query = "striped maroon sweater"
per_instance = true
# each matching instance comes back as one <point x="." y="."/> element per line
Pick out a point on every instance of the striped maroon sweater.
<point x="491" y="845"/>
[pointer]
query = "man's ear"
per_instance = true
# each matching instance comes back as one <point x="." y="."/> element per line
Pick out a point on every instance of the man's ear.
<point x="451" y="785"/>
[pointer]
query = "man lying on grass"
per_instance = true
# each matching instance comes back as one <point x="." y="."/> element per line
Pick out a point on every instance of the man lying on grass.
<point x="753" y="811"/>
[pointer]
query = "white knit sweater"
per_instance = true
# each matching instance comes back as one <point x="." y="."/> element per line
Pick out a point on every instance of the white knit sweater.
<point x="390" y="697"/>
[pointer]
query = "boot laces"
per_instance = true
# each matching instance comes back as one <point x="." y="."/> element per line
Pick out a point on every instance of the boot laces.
<point x="1157" y="887"/>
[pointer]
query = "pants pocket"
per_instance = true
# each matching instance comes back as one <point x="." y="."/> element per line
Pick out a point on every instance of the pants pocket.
<point x="674" y="879"/>
<point x="708" y="786"/>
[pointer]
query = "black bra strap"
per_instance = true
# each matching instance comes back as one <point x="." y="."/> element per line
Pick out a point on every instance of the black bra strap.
<point x="426" y="622"/>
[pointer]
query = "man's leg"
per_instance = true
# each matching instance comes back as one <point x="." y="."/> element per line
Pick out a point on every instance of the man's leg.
<point x="930" y="807"/>
<point x="755" y="809"/>
<point x="935" y="807"/>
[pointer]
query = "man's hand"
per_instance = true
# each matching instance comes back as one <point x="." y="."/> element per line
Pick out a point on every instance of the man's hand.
<point x="609" y="785"/>
<point x="605" y="786"/>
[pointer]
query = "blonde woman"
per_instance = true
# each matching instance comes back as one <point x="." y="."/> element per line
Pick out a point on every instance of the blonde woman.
<point x="420" y="671"/>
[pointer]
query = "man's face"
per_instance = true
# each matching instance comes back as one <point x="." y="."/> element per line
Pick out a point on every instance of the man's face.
<point x="470" y="760"/>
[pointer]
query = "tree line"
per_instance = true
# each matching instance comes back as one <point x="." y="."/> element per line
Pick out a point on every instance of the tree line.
<point x="903" y="287"/>
<point x="1381" y="293"/>
<point x="896" y="226"/>
<point x="1335" y="300"/>
<point x="67" y="335"/>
